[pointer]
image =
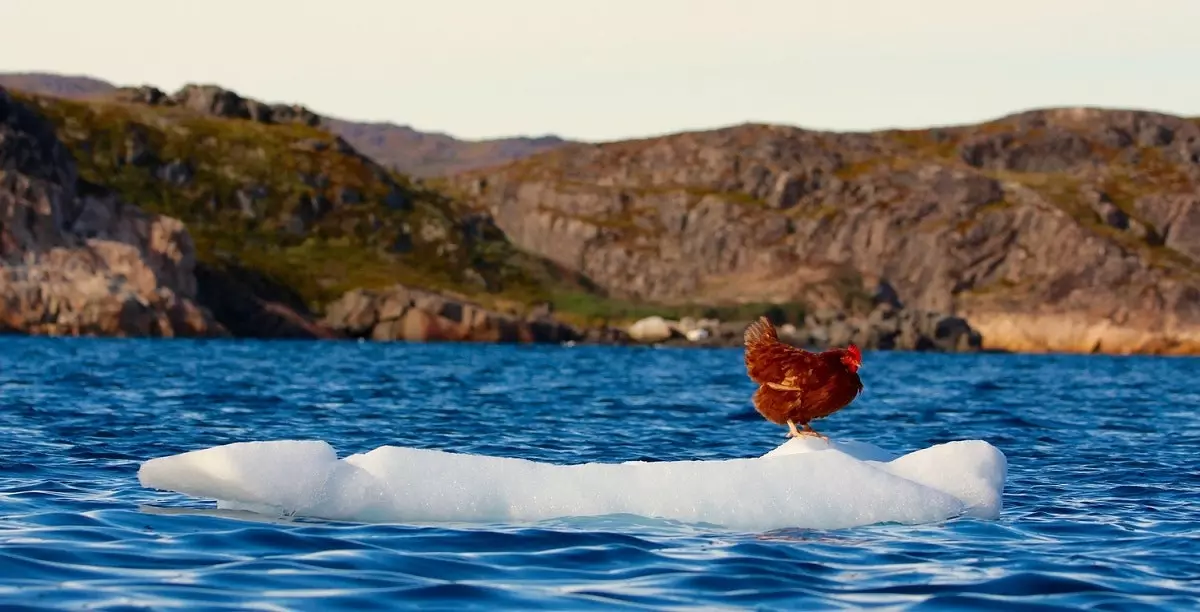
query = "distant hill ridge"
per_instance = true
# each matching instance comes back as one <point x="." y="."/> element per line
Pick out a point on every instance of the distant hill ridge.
<point x="398" y="147"/>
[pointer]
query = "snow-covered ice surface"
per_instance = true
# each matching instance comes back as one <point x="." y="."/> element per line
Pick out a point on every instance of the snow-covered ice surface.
<point x="804" y="483"/>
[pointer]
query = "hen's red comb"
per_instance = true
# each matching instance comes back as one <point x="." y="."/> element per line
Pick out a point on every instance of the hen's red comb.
<point x="854" y="352"/>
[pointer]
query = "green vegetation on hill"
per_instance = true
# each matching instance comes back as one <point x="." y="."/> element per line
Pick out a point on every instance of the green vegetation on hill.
<point x="293" y="203"/>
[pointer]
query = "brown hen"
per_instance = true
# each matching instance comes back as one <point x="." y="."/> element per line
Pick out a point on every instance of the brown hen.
<point x="797" y="386"/>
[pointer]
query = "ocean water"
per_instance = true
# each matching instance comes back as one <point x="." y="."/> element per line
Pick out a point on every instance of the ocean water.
<point x="1102" y="505"/>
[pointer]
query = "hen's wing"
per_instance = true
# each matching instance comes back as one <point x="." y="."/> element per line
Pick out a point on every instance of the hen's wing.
<point x="770" y="361"/>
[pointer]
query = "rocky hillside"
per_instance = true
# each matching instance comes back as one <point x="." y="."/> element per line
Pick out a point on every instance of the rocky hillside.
<point x="1060" y="229"/>
<point x="288" y="218"/>
<point x="398" y="147"/>
<point x="285" y="216"/>
<point x="75" y="258"/>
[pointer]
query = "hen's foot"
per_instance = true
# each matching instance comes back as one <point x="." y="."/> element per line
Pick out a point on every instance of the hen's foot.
<point x="809" y="431"/>
<point x="808" y="434"/>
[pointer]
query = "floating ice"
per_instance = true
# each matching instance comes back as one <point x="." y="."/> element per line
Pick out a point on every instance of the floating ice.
<point x="804" y="483"/>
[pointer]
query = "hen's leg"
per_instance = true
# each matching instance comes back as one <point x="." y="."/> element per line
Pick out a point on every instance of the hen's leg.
<point x="792" y="431"/>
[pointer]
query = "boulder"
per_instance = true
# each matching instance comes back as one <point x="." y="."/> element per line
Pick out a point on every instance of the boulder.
<point x="653" y="329"/>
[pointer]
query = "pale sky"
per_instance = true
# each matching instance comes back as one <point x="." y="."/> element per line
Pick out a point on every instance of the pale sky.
<point x="609" y="69"/>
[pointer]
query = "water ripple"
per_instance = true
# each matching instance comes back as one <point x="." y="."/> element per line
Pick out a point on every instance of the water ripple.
<point x="1100" y="511"/>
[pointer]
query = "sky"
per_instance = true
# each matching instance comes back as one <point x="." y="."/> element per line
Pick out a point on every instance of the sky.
<point x="612" y="69"/>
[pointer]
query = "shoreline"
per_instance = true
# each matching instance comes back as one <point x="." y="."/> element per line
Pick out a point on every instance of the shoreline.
<point x="565" y="345"/>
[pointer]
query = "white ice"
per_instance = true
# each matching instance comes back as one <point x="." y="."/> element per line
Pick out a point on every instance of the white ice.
<point x="804" y="483"/>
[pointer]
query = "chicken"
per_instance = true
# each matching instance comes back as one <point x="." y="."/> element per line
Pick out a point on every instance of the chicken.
<point x="797" y="386"/>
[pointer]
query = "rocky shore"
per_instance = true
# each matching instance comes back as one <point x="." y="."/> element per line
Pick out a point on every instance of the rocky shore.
<point x="884" y="328"/>
<point x="400" y="313"/>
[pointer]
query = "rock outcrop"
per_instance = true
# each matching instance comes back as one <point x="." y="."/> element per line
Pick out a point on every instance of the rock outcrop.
<point x="251" y="306"/>
<point x="413" y="315"/>
<point x="395" y="146"/>
<point x="74" y="258"/>
<point x="1061" y="229"/>
<point x="219" y="102"/>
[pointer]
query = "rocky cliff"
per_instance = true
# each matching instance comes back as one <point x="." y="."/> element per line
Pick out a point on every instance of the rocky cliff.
<point x="1060" y="229"/>
<point x="75" y="259"/>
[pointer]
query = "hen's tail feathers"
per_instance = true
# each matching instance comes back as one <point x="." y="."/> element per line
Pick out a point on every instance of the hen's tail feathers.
<point x="759" y="332"/>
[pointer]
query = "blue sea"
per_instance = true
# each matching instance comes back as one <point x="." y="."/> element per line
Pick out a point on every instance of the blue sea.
<point x="1101" y="508"/>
